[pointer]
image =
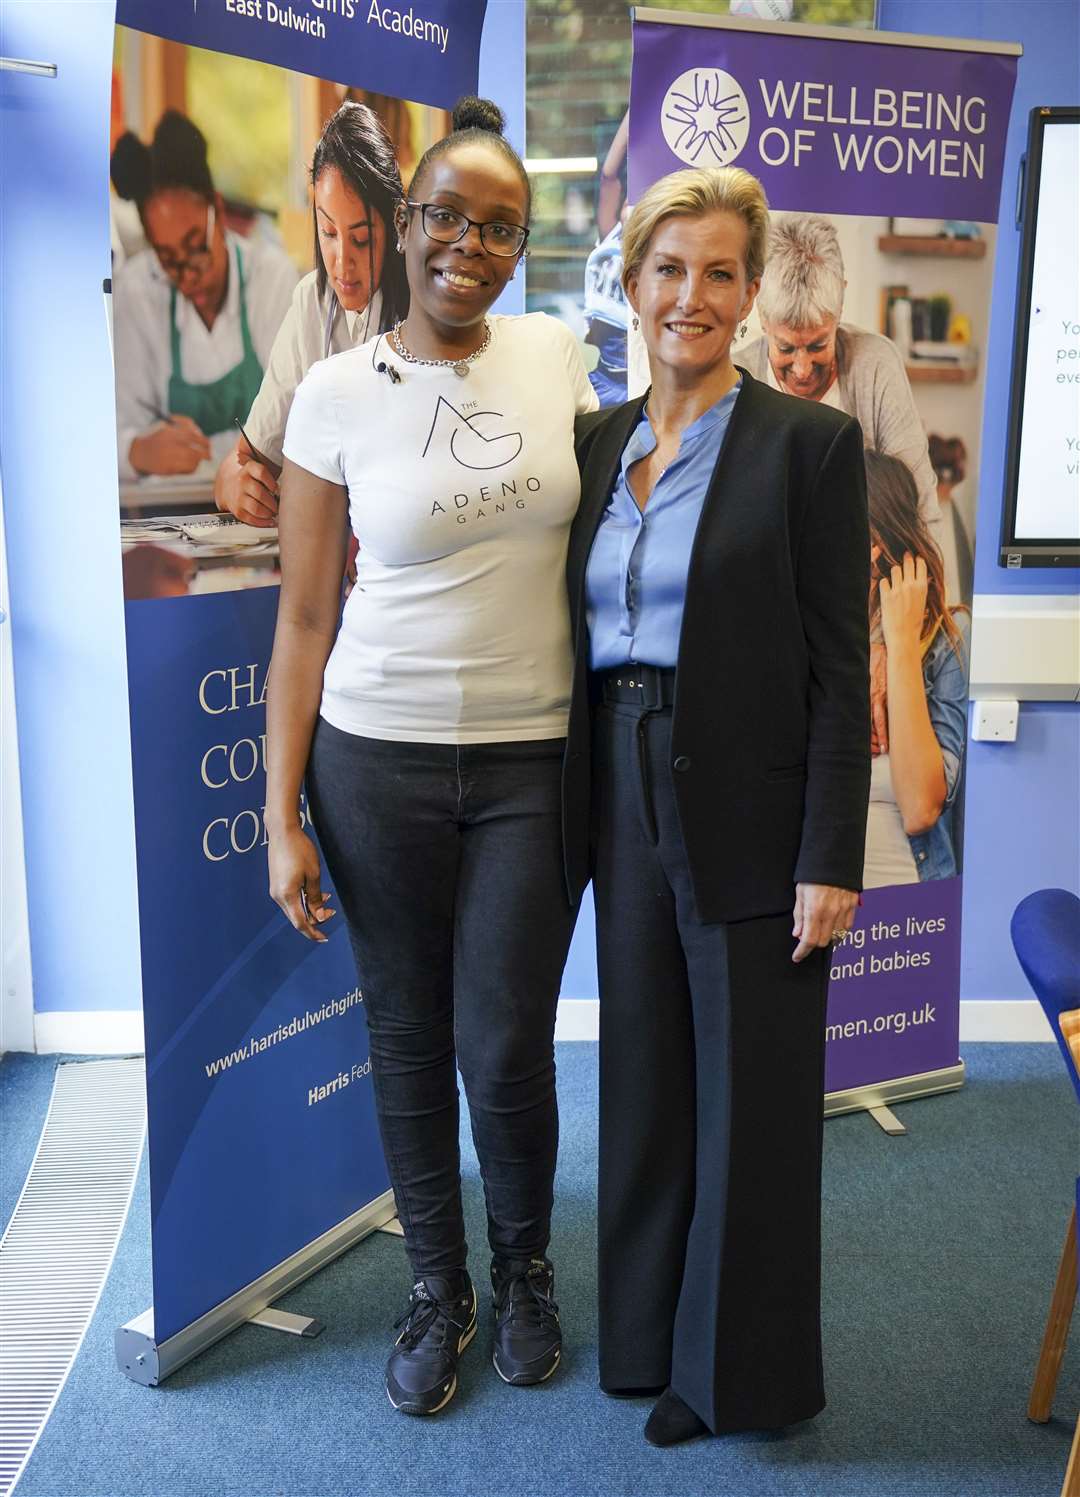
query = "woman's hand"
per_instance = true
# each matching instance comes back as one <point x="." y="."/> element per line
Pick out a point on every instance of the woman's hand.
<point x="296" y="882"/>
<point x="173" y="446"/>
<point x="879" y="717"/>
<point x="246" y="488"/>
<point x="822" y="912"/>
<point x="903" y="604"/>
<point x="156" y="572"/>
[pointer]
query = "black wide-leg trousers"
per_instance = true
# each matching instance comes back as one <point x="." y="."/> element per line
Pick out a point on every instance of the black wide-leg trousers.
<point x="711" y="1087"/>
<point x="447" y="861"/>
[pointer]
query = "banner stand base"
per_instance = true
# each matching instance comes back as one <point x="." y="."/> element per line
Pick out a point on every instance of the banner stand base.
<point x="393" y="1228"/>
<point x="149" y="1362"/>
<point x="887" y="1121"/>
<point x="292" y="1325"/>
<point x="882" y="1094"/>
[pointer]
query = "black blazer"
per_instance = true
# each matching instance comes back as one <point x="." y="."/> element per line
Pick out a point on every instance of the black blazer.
<point x="771" y="721"/>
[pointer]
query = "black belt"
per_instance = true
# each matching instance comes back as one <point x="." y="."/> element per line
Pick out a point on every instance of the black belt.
<point x="652" y="688"/>
<point x="648" y="686"/>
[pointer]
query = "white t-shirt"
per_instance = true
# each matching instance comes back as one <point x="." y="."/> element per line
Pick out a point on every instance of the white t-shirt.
<point x="301" y="342"/>
<point x="461" y="494"/>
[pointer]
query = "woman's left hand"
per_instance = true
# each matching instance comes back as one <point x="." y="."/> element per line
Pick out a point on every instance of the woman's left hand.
<point x="822" y="913"/>
<point x="903" y="603"/>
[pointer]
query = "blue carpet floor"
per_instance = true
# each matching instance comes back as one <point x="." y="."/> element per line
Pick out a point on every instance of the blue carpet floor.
<point x="25" y="1087"/>
<point x="940" y="1251"/>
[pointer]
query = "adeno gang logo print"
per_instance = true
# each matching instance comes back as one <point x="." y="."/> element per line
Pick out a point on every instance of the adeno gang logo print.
<point x="473" y="441"/>
<point x="705" y="117"/>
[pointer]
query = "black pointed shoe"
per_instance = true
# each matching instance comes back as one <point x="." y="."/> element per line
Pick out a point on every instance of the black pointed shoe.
<point x="528" y="1338"/>
<point x="671" y="1421"/>
<point x="421" y="1375"/>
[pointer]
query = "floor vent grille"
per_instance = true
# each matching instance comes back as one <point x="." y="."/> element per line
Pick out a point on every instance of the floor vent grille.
<point x="59" y="1244"/>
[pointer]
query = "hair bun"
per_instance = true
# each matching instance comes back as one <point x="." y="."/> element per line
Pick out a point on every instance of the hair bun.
<point x="471" y="113"/>
<point x="130" y="167"/>
<point x="180" y="143"/>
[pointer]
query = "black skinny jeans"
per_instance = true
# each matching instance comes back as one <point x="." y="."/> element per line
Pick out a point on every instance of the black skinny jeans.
<point x="447" y="861"/>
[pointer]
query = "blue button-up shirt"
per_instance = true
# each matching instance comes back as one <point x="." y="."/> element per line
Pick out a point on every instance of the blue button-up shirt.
<point x="635" y="583"/>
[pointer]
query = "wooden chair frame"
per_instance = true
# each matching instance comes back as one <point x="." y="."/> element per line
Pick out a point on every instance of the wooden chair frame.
<point x="1062" y="1303"/>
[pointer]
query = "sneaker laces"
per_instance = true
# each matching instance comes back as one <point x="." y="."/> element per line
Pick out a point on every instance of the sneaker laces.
<point x="525" y="1296"/>
<point x="422" y="1315"/>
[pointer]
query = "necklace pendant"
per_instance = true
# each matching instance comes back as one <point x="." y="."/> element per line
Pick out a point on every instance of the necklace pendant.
<point x="461" y="368"/>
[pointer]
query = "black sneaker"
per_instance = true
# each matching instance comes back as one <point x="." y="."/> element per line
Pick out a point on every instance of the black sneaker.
<point x="421" y="1375"/>
<point x="528" y="1340"/>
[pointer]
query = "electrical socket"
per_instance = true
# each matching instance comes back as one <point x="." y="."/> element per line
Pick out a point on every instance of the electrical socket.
<point x="996" y="722"/>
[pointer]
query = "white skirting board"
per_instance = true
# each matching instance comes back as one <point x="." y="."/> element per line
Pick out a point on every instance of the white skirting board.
<point x="117" y="1031"/>
<point x="120" y="1031"/>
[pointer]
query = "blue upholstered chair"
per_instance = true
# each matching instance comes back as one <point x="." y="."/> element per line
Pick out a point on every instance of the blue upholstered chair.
<point x="1046" y="936"/>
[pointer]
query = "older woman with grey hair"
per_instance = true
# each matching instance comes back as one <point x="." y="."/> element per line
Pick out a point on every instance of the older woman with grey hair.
<point x="808" y="351"/>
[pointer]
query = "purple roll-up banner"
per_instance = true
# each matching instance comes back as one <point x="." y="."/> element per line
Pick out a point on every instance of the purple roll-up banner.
<point x="893" y="1007"/>
<point x="881" y="157"/>
<point x="840" y="124"/>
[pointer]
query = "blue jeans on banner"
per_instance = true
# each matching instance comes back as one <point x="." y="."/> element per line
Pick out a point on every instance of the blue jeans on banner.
<point x="447" y="861"/>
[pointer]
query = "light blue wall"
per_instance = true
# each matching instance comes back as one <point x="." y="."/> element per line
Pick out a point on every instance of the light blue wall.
<point x="1023" y="799"/>
<point x="1023" y="833"/>
<point x="58" y="450"/>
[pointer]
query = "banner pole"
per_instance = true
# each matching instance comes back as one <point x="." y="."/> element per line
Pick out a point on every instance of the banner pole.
<point x="882" y="1094"/>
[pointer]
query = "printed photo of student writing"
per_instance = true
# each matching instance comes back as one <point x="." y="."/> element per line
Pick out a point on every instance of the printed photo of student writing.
<point x="234" y="271"/>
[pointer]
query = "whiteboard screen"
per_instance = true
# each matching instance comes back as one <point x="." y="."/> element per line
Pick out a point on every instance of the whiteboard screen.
<point x="1043" y="498"/>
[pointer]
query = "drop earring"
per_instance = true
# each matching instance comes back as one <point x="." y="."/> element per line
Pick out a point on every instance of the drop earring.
<point x="635" y="322"/>
<point x="742" y="331"/>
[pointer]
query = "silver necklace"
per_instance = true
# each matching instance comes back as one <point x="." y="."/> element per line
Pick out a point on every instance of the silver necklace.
<point x="459" y="366"/>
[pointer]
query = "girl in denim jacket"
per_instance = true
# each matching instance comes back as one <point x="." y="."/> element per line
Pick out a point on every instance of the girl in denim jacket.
<point x="914" y="783"/>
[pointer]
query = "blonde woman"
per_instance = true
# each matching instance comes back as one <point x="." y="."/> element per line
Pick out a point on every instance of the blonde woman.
<point x="718" y="576"/>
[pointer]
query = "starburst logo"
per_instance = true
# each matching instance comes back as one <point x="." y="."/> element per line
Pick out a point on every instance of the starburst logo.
<point x="705" y="117"/>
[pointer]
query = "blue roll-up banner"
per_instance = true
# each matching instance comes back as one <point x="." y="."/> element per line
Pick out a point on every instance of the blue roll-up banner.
<point x="261" y="1120"/>
<point x="428" y="51"/>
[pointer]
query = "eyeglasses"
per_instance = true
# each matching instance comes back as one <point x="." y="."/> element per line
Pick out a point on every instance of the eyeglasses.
<point x="447" y="226"/>
<point x="196" y="262"/>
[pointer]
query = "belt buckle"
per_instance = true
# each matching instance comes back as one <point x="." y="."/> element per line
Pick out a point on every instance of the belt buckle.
<point x="646" y="678"/>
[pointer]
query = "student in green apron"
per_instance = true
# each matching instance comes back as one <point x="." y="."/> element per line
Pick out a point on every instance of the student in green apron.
<point x="220" y="403"/>
<point x="192" y="313"/>
<point x="358" y="289"/>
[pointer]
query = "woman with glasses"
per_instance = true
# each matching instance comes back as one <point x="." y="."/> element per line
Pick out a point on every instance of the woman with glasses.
<point x="355" y="290"/>
<point x="430" y="727"/>
<point x="195" y="314"/>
